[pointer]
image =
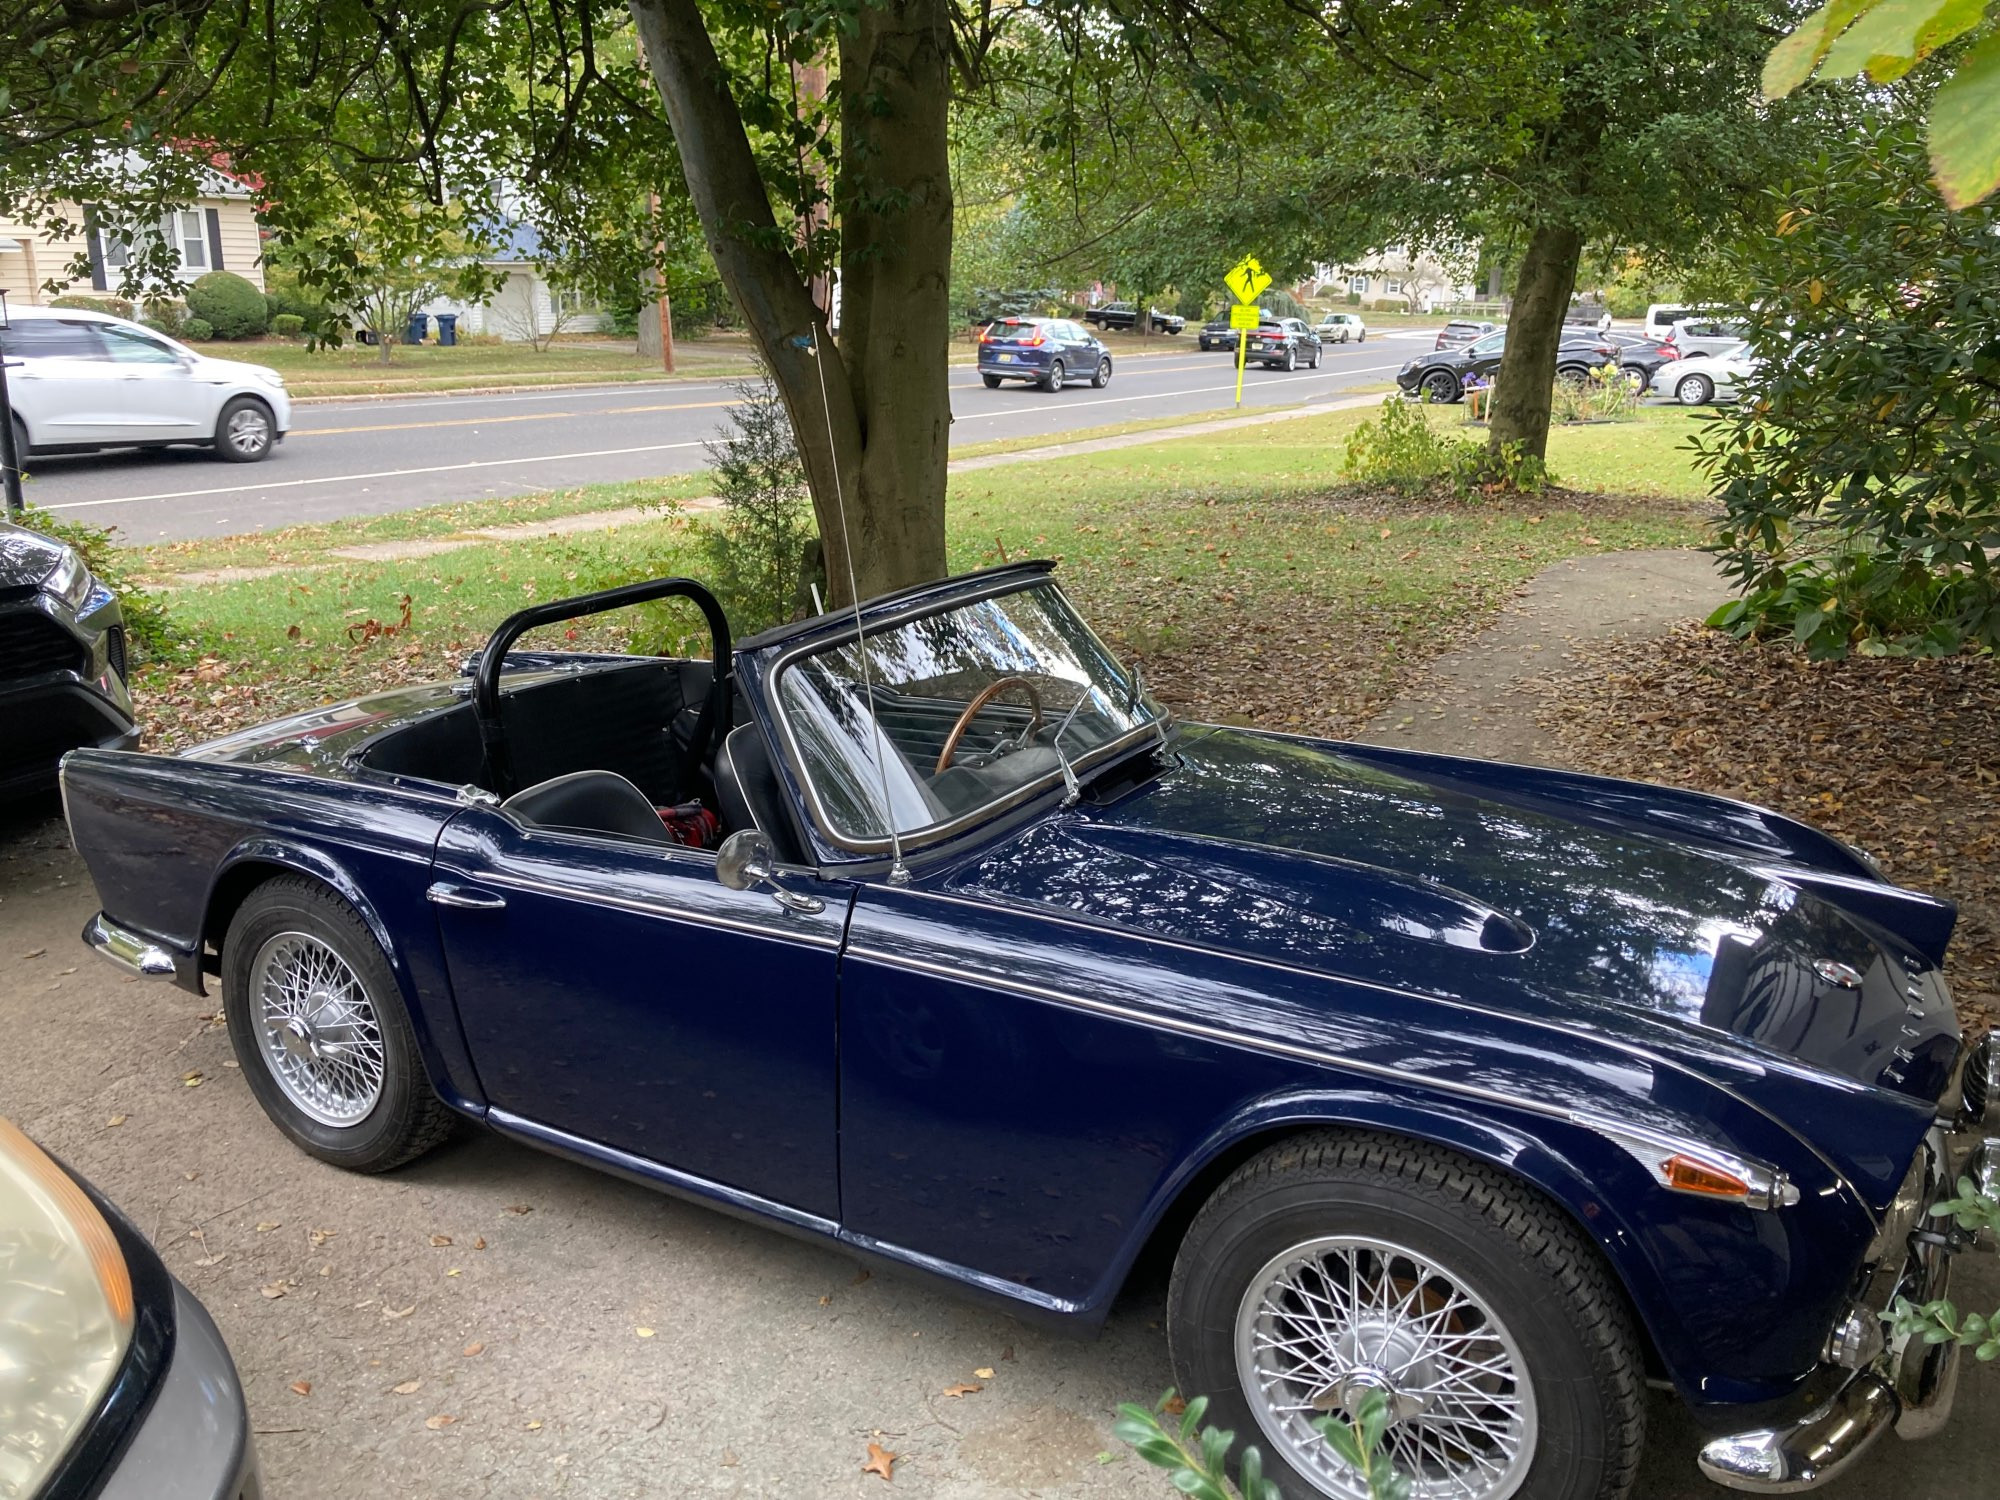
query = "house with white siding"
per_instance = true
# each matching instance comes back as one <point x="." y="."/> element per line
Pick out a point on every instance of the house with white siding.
<point x="216" y="231"/>
<point x="527" y="306"/>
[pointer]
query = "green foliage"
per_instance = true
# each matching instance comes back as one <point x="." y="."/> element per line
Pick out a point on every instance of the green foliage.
<point x="288" y="325"/>
<point x="167" y="315"/>
<point x="1403" y="450"/>
<point x="759" y="555"/>
<point x="196" y="330"/>
<point x="118" y="307"/>
<point x="286" y="297"/>
<point x="230" y="305"/>
<point x="1605" y="396"/>
<point x="1974" y="1211"/>
<point x="1885" y="39"/>
<point x="1195" y="1464"/>
<point x="1859" y="476"/>
<point x="146" y="624"/>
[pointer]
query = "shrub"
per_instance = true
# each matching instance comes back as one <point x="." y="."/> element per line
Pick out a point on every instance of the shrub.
<point x="104" y="302"/>
<point x="197" y="330"/>
<point x="1404" y="451"/>
<point x="286" y="296"/>
<point x="231" y="306"/>
<point x="1607" y="396"/>
<point x="146" y="624"/>
<point x="762" y="554"/>
<point x="288" y="325"/>
<point x="165" y="315"/>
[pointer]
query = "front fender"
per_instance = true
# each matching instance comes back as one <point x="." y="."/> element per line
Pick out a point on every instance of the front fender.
<point x="1735" y="1302"/>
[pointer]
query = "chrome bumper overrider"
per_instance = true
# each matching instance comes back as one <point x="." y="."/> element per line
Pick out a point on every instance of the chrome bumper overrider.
<point x="1911" y="1385"/>
<point x="127" y="949"/>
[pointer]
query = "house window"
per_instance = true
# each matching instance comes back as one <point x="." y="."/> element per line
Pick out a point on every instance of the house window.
<point x="1358" y="284"/>
<point x="186" y="230"/>
<point x="1394" y="289"/>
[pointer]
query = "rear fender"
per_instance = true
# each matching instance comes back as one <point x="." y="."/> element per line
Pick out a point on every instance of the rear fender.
<point x="416" y="958"/>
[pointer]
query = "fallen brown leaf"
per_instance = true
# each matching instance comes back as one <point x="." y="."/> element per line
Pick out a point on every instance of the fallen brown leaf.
<point x="963" y="1388"/>
<point x="399" y="1312"/>
<point x="302" y="1387"/>
<point x="480" y="1243"/>
<point x="439" y="1421"/>
<point x="267" y="1225"/>
<point x="408" y="1387"/>
<point x="880" y="1461"/>
<point x="439" y="1241"/>
<point x="471" y="1349"/>
<point x="191" y="1080"/>
<point x="114" y="1122"/>
<point x="320" y="1236"/>
<point x="274" y="1289"/>
<point x="520" y="1208"/>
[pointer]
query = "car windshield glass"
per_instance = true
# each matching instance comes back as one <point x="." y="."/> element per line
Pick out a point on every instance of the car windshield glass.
<point x="1025" y="654"/>
<point x="1491" y="344"/>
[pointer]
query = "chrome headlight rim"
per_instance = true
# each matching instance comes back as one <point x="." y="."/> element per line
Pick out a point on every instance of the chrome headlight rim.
<point x="121" y="1404"/>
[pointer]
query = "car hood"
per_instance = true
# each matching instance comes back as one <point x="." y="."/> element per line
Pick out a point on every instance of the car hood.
<point x="26" y="557"/>
<point x="1322" y="857"/>
<point x="236" y="370"/>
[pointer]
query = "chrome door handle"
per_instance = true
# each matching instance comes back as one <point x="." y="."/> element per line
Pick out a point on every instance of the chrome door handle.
<point x="446" y="893"/>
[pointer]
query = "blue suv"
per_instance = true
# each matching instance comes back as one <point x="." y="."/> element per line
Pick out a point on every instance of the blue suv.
<point x="1048" y="352"/>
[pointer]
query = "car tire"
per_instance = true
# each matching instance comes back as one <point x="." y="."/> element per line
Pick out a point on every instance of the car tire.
<point x="364" y="1112"/>
<point x="1637" y="378"/>
<point x="1440" y="386"/>
<point x="1290" y="361"/>
<point x="1560" y="1404"/>
<point x="1313" y="363"/>
<point x="245" y="431"/>
<point x="1053" y="381"/>
<point x="1102" y="377"/>
<point x="1573" y="375"/>
<point x="1694" y="390"/>
<point x="20" y="439"/>
<point x="992" y="381"/>
<point x="1360" y="338"/>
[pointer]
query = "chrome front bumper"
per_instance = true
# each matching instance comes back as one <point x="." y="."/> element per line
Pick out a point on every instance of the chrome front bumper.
<point x="1910" y="1387"/>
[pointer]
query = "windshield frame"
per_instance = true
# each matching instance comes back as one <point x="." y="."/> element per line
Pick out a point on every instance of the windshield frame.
<point x="823" y="827"/>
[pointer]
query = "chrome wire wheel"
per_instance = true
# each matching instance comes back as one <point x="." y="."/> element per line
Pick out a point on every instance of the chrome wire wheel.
<point x="317" y="1029"/>
<point x="1327" y="1321"/>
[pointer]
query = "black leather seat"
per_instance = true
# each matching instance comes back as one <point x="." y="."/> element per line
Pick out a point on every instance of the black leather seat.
<point x="748" y="794"/>
<point x="590" y="802"/>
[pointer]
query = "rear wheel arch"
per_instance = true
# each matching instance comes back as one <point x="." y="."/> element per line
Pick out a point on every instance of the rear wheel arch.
<point x="1479" y="1141"/>
<point x="253" y="864"/>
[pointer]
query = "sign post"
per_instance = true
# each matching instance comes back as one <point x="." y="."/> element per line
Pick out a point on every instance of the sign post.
<point x="1249" y="281"/>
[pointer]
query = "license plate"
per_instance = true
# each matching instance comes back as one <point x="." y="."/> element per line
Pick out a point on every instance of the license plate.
<point x="1006" y="359"/>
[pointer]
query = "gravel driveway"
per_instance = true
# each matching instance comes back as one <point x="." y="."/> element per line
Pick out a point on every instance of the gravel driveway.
<point x="492" y="1322"/>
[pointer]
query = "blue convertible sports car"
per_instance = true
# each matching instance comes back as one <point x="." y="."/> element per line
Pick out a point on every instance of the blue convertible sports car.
<point x="1499" y="1090"/>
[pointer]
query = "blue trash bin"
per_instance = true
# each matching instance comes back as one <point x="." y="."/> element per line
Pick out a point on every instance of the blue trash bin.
<point x="420" y="325"/>
<point x="447" y="329"/>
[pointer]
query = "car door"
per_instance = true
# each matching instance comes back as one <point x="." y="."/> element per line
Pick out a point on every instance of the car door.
<point x="1482" y="356"/>
<point x="615" y="992"/>
<point x="1081" y="350"/>
<point x="160" y="397"/>
<point x="63" y="385"/>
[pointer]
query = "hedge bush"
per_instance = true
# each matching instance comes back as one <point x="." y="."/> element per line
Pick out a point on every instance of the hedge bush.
<point x="231" y="306"/>
<point x="199" y="330"/>
<point x="104" y="302"/>
<point x="288" y="325"/>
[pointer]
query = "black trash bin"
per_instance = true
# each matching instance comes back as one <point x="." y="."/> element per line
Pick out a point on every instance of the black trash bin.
<point x="420" y="325"/>
<point x="447" y="329"/>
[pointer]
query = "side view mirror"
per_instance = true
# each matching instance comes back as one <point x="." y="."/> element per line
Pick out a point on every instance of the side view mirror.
<point x="746" y="861"/>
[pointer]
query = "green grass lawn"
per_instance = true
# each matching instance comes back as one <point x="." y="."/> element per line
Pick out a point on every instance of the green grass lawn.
<point x="356" y="370"/>
<point x="1254" y="582"/>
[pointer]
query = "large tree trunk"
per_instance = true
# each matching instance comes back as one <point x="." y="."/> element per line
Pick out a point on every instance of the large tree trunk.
<point x="1527" y="371"/>
<point x="871" y="419"/>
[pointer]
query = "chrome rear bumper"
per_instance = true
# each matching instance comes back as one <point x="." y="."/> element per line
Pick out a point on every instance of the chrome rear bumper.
<point x="127" y="949"/>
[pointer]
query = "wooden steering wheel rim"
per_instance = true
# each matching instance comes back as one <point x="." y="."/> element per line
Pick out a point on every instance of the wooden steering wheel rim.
<point x="985" y="696"/>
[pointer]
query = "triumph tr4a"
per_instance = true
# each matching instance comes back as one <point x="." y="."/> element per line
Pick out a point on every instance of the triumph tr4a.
<point x="923" y="929"/>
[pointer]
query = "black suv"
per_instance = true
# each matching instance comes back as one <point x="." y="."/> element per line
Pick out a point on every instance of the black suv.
<point x="62" y="661"/>
<point x="1283" y="344"/>
<point x="1441" y="374"/>
<point x="1125" y="315"/>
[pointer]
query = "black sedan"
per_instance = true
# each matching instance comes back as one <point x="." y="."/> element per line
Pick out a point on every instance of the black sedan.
<point x="1283" y="344"/>
<point x="62" y="660"/>
<point x="1641" y="358"/>
<point x="1441" y="374"/>
<point x="1124" y="315"/>
<point x="114" y="1383"/>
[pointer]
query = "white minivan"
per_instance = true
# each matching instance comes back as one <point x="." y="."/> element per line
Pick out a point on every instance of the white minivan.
<point x="80" y="381"/>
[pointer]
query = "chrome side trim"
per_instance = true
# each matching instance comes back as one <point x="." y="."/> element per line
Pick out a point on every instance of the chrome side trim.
<point x="1813" y="1451"/>
<point x="127" y="949"/>
<point x="658" y="909"/>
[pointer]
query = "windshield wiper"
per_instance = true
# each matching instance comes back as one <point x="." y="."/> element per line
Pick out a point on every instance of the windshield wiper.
<point x="1072" y="788"/>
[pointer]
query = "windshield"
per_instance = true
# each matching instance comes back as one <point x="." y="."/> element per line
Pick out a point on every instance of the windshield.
<point x="1036" y="665"/>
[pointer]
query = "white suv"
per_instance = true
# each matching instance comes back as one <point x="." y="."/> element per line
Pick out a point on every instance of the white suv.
<point x="84" y="380"/>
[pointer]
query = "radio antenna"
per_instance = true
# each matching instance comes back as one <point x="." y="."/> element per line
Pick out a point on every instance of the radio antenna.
<point x="899" y="873"/>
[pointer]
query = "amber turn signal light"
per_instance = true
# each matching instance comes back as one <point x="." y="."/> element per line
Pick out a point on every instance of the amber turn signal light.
<point x="1687" y="1175"/>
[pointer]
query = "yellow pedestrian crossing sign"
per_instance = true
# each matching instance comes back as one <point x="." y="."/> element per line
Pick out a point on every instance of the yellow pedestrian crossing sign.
<point x="1247" y="279"/>
<point x="1246" y="316"/>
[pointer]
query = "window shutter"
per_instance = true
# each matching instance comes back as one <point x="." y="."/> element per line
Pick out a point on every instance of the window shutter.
<point x="95" y="242"/>
<point x="214" y="240"/>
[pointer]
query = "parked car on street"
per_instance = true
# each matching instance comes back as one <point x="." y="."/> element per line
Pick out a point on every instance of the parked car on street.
<point x="1441" y="374"/>
<point x="1697" y="337"/>
<point x="1498" y="1091"/>
<point x="1661" y="317"/>
<point x="1639" y="357"/>
<point x="1342" y="328"/>
<point x="1461" y="331"/>
<point x="114" y="1383"/>
<point x="1048" y="352"/>
<point x="62" y="660"/>
<point x="1125" y="315"/>
<point x="81" y="381"/>
<point x="1708" y="379"/>
<point x="1217" y="334"/>
<point x="1283" y="344"/>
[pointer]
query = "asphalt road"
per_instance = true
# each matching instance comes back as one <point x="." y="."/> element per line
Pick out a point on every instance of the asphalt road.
<point x="353" y="458"/>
